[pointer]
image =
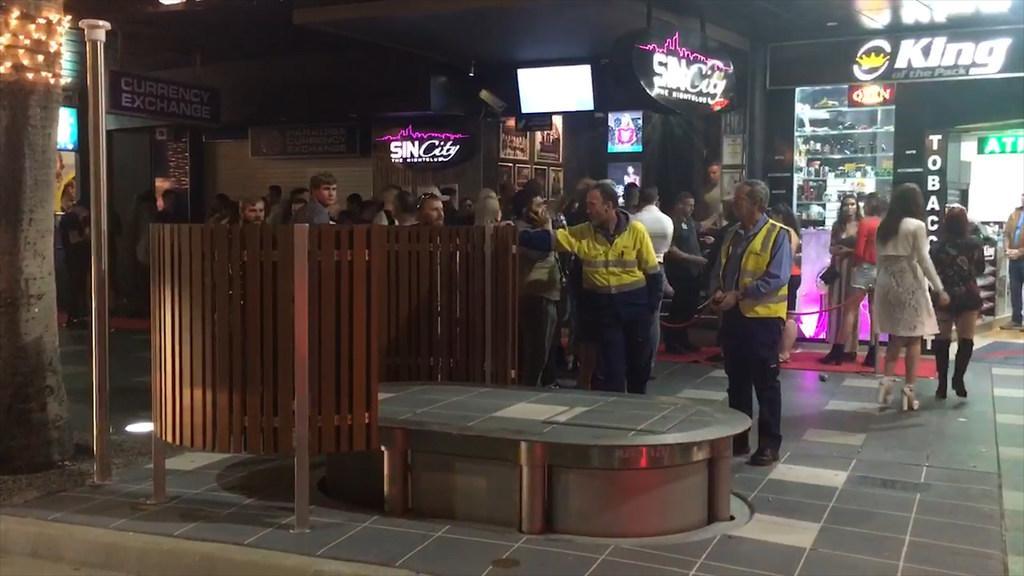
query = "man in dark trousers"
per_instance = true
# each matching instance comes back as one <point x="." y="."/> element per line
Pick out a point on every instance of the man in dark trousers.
<point x="749" y="287"/>
<point x="683" y="266"/>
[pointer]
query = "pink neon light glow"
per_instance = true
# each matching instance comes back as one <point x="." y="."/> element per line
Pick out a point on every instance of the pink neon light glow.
<point x="672" y="45"/>
<point x="408" y="133"/>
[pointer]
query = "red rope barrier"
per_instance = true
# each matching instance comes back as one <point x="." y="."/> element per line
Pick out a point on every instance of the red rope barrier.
<point x="694" y="320"/>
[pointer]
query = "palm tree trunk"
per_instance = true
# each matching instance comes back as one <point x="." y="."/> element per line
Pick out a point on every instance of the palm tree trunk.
<point x="33" y="403"/>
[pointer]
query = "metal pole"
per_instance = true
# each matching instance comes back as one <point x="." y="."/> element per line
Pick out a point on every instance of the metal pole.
<point x="533" y="488"/>
<point x="95" y="37"/>
<point x="301" y="368"/>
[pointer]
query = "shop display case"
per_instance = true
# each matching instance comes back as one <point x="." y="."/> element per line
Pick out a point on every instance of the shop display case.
<point x="843" y="143"/>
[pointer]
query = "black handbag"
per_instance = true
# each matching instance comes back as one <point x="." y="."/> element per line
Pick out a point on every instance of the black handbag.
<point x="829" y="275"/>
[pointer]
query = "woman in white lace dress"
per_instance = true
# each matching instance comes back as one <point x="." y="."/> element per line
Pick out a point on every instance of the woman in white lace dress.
<point x="903" y="307"/>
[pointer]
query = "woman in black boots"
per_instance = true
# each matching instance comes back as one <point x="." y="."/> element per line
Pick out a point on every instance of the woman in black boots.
<point x="959" y="259"/>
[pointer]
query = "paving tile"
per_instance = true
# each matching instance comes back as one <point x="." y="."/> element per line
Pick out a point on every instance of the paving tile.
<point x="964" y="477"/>
<point x="568" y="414"/>
<point x="693" y="550"/>
<point x="880" y="546"/>
<point x="47" y="506"/>
<point x="450" y="556"/>
<point x="232" y="527"/>
<point x="1016" y="564"/>
<point x="799" y="491"/>
<point x="891" y="470"/>
<point x="962" y="560"/>
<point x="834" y="437"/>
<point x="876" y="500"/>
<point x="1014" y="521"/>
<point x="695" y="394"/>
<point x="808" y="475"/>
<point x="815" y="461"/>
<point x="871" y="383"/>
<point x="196" y="460"/>
<point x="963" y="494"/>
<point x="379" y="546"/>
<point x="787" y="508"/>
<point x="104" y="513"/>
<point x="1010" y="452"/>
<point x="824" y="449"/>
<point x="483" y="532"/>
<point x="610" y="567"/>
<point x="959" y="534"/>
<point x="715" y="374"/>
<point x="822" y="563"/>
<point x="531" y="561"/>
<point x="1013" y="419"/>
<point x="652" y="558"/>
<point x="1004" y="371"/>
<point x="166" y="520"/>
<point x="745" y="484"/>
<point x="425" y="525"/>
<point x="959" y="512"/>
<point x="848" y="406"/>
<point x="779" y="530"/>
<point x="321" y="535"/>
<point x="1013" y="500"/>
<point x="870" y="520"/>
<point x="733" y="550"/>
<point x="565" y="544"/>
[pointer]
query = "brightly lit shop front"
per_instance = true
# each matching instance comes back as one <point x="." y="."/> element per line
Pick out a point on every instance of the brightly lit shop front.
<point x="942" y="109"/>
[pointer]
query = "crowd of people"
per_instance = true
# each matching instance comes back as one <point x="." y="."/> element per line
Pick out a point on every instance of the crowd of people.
<point x="595" y="266"/>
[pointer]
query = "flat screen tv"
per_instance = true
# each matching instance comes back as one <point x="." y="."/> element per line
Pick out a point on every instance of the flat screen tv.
<point x="555" y="89"/>
<point x="626" y="131"/>
<point x="67" y="129"/>
<point x="623" y="173"/>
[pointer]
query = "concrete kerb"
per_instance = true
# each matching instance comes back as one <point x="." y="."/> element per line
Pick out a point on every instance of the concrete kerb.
<point x="134" y="553"/>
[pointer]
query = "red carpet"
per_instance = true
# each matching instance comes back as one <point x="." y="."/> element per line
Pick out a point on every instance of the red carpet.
<point x="807" y="361"/>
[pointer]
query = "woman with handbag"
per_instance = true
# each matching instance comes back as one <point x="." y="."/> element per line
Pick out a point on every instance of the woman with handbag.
<point x="959" y="259"/>
<point x="903" y="308"/>
<point x="840" y="272"/>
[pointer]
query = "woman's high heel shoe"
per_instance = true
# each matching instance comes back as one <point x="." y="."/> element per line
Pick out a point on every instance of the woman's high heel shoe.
<point x="885" y="386"/>
<point x="910" y="403"/>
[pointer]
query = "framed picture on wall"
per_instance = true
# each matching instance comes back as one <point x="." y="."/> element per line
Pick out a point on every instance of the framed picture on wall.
<point x="523" y="173"/>
<point x="506" y="175"/>
<point x="547" y="145"/>
<point x="540" y="174"/>
<point x="513" y="144"/>
<point x="554" y="182"/>
<point x="730" y="178"/>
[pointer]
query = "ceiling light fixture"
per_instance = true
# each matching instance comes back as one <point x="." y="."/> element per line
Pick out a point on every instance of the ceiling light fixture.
<point x="832" y="23"/>
<point x="139" y="427"/>
<point x="171" y="2"/>
<point x="472" y="69"/>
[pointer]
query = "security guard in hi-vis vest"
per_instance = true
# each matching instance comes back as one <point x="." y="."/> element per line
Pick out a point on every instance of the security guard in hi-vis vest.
<point x="749" y="289"/>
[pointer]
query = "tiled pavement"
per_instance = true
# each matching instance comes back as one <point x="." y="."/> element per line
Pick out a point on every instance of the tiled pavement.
<point x="860" y="491"/>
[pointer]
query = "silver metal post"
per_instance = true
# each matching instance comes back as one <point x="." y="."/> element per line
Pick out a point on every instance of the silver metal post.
<point x="533" y="488"/>
<point x="95" y="37"/>
<point x="301" y="339"/>
<point x="720" y="481"/>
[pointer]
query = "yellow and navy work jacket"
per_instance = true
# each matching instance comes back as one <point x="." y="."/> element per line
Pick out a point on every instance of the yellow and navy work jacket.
<point x="621" y="266"/>
<point x="763" y="269"/>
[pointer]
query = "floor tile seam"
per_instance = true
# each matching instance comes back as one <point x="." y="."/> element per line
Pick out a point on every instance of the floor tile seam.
<point x="422" y="546"/>
<point x="768" y="476"/>
<point x="646" y="565"/>
<point x="828" y="510"/>
<point x="661" y="553"/>
<point x="344" y="536"/>
<point x="159" y="506"/>
<point x="704" y="556"/>
<point x="268" y="530"/>
<point x="603" y="556"/>
<point x="486" y="416"/>
<point x="924" y="496"/>
<point x="910" y="528"/>
<point x="641" y="427"/>
<point x="95" y="500"/>
<point x="223" y="514"/>
<point x="961" y="546"/>
<point x="862" y="530"/>
<point x="883" y="560"/>
<point x="442" y="403"/>
<point x="505" y="555"/>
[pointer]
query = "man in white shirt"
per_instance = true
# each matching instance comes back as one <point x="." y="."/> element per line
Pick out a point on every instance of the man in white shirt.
<point x="659" y="227"/>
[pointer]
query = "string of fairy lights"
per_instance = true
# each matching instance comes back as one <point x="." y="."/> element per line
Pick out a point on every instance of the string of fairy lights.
<point x="31" y="46"/>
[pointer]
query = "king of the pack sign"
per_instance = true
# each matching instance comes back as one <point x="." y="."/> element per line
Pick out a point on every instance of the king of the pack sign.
<point x="682" y="77"/>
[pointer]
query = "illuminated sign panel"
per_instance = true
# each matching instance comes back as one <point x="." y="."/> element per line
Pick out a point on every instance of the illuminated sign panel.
<point x="1001" y="144"/>
<point x="680" y="77"/>
<point x="436" y="148"/>
<point x="864" y="95"/>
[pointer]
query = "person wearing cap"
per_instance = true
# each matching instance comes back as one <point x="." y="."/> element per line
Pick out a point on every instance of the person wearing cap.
<point x="621" y="285"/>
<point x="749" y="288"/>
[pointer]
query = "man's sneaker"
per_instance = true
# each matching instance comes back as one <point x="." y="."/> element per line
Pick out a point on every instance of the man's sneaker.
<point x="1012" y="326"/>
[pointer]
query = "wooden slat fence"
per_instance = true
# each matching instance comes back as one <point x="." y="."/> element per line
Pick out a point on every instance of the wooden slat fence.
<point x="385" y="303"/>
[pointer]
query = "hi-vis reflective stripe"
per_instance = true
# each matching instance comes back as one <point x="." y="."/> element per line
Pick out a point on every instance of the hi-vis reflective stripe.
<point x="602" y="264"/>
<point x="617" y="289"/>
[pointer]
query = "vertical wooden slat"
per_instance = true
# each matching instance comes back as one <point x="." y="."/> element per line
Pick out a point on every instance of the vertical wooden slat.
<point x="235" y="316"/>
<point x="210" y="384"/>
<point x="511" y="306"/>
<point x="377" y="293"/>
<point x="196" y="334"/>
<point x="284" y="349"/>
<point x="222" y="346"/>
<point x="424" y="246"/>
<point x="329" y="380"/>
<point x="184" y="334"/>
<point x="392" y="370"/>
<point x="359" y="333"/>
<point x="253" y="328"/>
<point x="156" y="380"/>
<point x="403" y="290"/>
<point x="442" y="287"/>
<point x="461" y="289"/>
<point x="171" y="347"/>
<point x="342" y="346"/>
<point x="476" y="305"/>
<point x="267" y="355"/>
<point x="315" y="311"/>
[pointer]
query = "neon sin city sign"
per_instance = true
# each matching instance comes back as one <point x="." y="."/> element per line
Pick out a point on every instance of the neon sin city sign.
<point x="674" y="74"/>
<point x="409" y="146"/>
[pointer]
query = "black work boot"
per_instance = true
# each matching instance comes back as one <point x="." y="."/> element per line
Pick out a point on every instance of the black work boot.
<point x="941" y="348"/>
<point x="964" y="351"/>
<point x="869" y="358"/>
<point x="834" y="356"/>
